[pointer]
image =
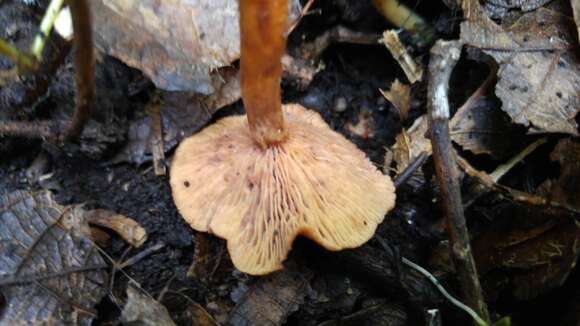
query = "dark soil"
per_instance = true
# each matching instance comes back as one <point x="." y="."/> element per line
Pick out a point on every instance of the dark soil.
<point x="84" y="175"/>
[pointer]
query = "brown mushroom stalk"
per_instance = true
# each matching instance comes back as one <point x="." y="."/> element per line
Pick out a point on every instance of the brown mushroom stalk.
<point x="282" y="172"/>
<point x="263" y="25"/>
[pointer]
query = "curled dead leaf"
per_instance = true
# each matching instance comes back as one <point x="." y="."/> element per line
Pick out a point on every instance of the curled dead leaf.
<point x="400" y="96"/>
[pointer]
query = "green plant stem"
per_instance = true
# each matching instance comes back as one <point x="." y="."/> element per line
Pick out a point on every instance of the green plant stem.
<point x="21" y="60"/>
<point x="45" y="27"/>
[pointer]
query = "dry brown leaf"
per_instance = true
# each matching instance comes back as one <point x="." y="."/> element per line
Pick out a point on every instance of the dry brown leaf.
<point x="483" y="128"/>
<point x="50" y="273"/>
<point x="410" y="143"/>
<point x="400" y="96"/>
<point x="176" y="43"/>
<point x="539" y="73"/>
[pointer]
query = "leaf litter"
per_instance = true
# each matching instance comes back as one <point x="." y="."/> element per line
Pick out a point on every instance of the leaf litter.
<point x="539" y="74"/>
<point x="50" y="272"/>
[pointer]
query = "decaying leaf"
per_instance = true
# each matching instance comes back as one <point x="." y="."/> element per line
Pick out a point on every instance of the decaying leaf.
<point x="271" y="299"/>
<point x="176" y="43"/>
<point x="539" y="246"/>
<point x="182" y="113"/>
<point x="484" y="128"/>
<point x="143" y="310"/>
<point x="411" y="143"/>
<point x="125" y="227"/>
<point x="539" y="258"/>
<point x="539" y="73"/>
<point x="382" y="314"/>
<point x="50" y="273"/>
<point x="499" y="8"/>
<point x="566" y="189"/>
<point x="400" y="96"/>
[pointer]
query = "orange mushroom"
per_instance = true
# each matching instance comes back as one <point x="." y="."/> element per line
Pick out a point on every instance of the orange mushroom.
<point x="282" y="172"/>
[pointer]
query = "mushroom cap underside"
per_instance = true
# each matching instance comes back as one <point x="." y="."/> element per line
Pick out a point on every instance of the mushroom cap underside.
<point x="316" y="183"/>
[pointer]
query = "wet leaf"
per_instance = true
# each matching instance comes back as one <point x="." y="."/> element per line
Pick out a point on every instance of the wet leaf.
<point x="182" y="114"/>
<point x="50" y="273"/>
<point x="400" y="96"/>
<point x="176" y="43"/>
<point x="483" y="128"/>
<point x="142" y="310"/>
<point x="539" y="73"/>
<point x="271" y="299"/>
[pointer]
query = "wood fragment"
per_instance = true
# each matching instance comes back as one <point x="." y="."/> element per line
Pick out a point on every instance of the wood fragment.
<point x="126" y="228"/>
<point x="26" y="129"/>
<point x="444" y="56"/>
<point x="156" y="137"/>
<point x="412" y="70"/>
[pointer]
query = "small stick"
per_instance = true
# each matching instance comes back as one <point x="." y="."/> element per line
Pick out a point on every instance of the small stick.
<point x="410" y="169"/>
<point x="84" y="62"/>
<point x="338" y="34"/>
<point x="444" y="56"/>
<point x="156" y="137"/>
<point x="302" y="14"/>
<point x="27" y="129"/>
<point x="23" y="61"/>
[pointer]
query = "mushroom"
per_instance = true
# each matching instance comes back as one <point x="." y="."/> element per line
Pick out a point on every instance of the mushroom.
<point x="282" y="172"/>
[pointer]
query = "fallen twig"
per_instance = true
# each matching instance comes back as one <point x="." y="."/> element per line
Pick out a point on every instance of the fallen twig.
<point x="444" y="56"/>
<point x="513" y="194"/>
<point x="412" y="70"/>
<point x="43" y="129"/>
<point x="410" y="169"/>
<point x="156" y="137"/>
<point x="84" y="62"/>
<point x="302" y="14"/>
<point x="338" y="34"/>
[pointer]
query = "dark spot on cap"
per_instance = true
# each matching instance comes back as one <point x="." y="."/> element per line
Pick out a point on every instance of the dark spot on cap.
<point x="186" y="184"/>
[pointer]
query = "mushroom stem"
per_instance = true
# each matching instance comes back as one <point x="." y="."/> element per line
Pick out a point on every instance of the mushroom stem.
<point x="263" y="25"/>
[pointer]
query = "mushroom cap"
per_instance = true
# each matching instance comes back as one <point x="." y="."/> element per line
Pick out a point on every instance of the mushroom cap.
<point x="316" y="184"/>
